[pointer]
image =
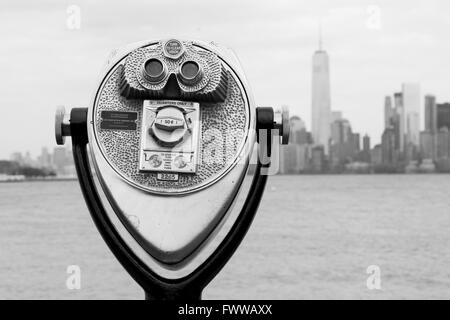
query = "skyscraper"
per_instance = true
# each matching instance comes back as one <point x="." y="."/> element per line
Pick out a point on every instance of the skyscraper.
<point x="388" y="112"/>
<point x="443" y="143"/>
<point x="443" y="115"/>
<point x="321" y="101"/>
<point x="428" y="138"/>
<point x="398" y="102"/>
<point x="411" y="105"/>
<point x="428" y="142"/>
<point x="392" y="118"/>
<point x="318" y="159"/>
<point x="366" y="143"/>
<point x="295" y="157"/>
<point x="365" y="153"/>
<point x="376" y="156"/>
<point x="344" y="143"/>
<point x="298" y="133"/>
<point x="340" y="131"/>
<point x="430" y="114"/>
<point x="290" y="161"/>
<point x="388" y="150"/>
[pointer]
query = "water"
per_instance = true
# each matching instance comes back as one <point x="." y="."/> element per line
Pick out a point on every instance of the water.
<point x="313" y="237"/>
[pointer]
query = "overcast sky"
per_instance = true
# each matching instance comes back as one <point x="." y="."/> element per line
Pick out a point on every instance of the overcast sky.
<point x="374" y="46"/>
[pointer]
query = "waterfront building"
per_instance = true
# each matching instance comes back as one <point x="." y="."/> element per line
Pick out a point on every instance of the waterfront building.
<point x="400" y="113"/>
<point x="318" y="159"/>
<point x="443" y="115"/>
<point x="321" y="99"/>
<point x="411" y="105"/>
<point x="443" y="143"/>
<point x="388" y="150"/>
<point x="431" y="114"/>
<point x="376" y="155"/>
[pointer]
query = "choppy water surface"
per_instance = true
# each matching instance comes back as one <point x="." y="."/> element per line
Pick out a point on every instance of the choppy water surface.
<point x="313" y="237"/>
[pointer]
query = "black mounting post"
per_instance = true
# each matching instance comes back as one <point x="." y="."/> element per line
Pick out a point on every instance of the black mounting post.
<point x="156" y="287"/>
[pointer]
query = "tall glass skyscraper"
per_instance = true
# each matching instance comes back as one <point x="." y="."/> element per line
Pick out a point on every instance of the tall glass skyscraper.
<point x="443" y="115"/>
<point x="411" y="105"/>
<point x="388" y="112"/>
<point x="398" y="101"/>
<point x="431" y="124"/>
<point x="321" y="101"/>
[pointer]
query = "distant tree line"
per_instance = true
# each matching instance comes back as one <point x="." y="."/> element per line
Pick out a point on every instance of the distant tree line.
<point x="13" y="168"/>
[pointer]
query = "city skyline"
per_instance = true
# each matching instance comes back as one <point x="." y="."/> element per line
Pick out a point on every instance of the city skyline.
<point x="349" y="150"/>
<point x="404" y="148"/>
<point x="334" y="147"/>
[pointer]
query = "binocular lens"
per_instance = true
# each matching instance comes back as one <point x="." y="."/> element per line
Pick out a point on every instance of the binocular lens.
<point x="190" y="72"/>
<point x="154" y="70"/>
<point x="190" y="69"/>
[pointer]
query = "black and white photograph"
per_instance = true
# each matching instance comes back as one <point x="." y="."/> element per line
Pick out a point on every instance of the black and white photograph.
<point x="245" y="151"/>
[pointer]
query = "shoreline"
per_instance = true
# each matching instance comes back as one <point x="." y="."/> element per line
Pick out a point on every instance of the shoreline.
<point x="40" y="180"/>
<point x="367" y="174"/>
<point x="284" y="174"/>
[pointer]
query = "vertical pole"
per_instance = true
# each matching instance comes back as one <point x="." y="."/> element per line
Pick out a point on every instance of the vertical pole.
<point x="174" y="294"/>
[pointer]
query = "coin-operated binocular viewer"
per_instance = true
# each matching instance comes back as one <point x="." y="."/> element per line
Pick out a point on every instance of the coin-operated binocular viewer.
<point x="163" y="155"/>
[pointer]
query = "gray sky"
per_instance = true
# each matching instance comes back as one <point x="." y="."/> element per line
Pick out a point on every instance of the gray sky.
<point x="43" y="63"/>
